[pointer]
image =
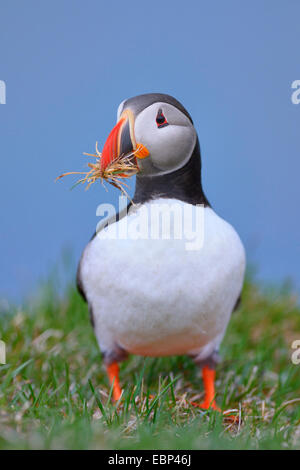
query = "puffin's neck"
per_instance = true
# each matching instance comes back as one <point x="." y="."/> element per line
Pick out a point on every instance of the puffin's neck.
<point x="183" y="184"/>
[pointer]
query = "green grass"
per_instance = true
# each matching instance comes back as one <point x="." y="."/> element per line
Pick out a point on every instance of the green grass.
<point x="54" y="392"/>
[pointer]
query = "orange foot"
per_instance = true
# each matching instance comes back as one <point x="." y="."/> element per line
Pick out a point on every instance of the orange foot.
<point x="208" y="376"/>
<point x="113" y="375"/>
<point x="206" y="406"/>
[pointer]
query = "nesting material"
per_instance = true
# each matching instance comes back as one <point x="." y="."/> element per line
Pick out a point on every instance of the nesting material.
<point x="124" y="166"/>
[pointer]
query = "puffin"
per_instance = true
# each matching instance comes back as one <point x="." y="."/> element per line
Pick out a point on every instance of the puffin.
<point x="164" y="275"/>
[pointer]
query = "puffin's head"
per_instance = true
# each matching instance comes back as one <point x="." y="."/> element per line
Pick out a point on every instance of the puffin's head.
<point x="158" y="128"/>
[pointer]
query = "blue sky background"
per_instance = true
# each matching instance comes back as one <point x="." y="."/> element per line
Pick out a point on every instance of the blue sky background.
<point x="68" y="64"/>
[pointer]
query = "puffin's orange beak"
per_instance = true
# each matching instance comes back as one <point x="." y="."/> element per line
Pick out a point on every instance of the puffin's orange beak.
<point x="121" y="141"/>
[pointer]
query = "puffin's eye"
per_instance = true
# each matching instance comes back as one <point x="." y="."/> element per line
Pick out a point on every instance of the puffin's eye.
<point x="160" y="119"/>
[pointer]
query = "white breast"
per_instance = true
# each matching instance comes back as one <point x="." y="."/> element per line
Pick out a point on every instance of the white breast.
<point x="164" y="296"/>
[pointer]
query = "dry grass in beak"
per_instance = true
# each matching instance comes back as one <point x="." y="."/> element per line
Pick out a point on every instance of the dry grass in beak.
<point x="121" y="167"/>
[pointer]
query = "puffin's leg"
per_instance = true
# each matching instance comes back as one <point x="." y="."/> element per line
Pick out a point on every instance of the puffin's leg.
<point x="112" y="359"/>
<point x="113" y="376"/>
<point x="208" y="367"/>
<point x="208" y="376"/>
